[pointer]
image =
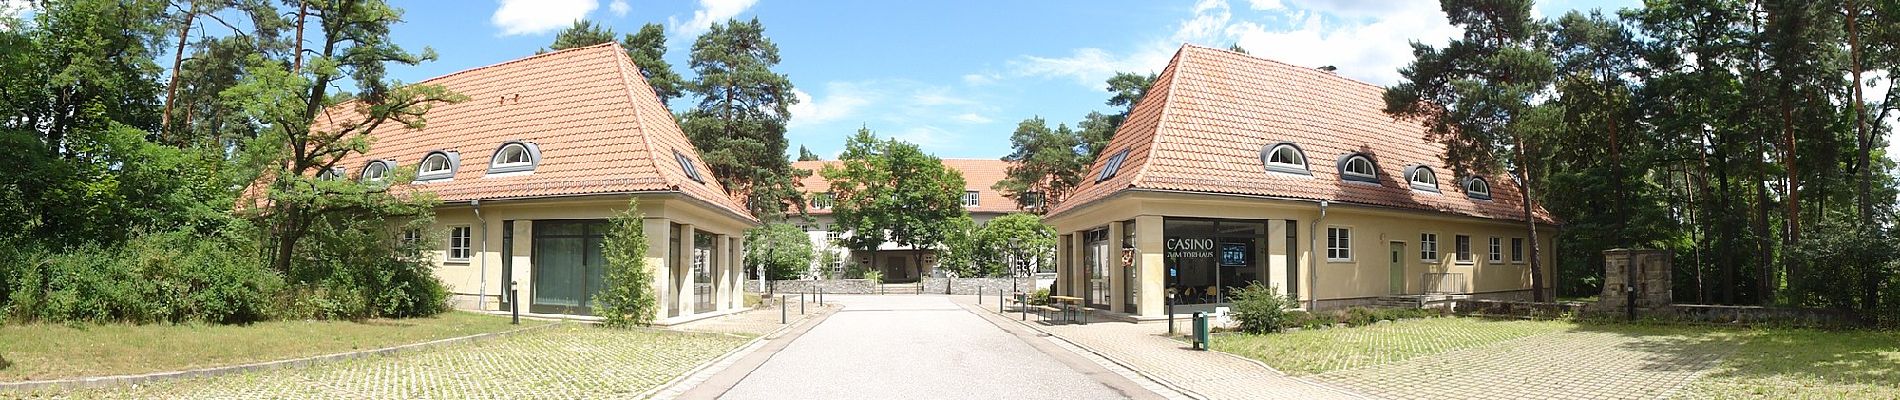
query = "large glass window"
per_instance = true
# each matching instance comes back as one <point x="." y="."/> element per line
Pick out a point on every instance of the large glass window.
<point x="1096" y="244"/>
<point x="704" y="261"/>
<point x="1207" y="260"/>
<point x="971" y="198"/>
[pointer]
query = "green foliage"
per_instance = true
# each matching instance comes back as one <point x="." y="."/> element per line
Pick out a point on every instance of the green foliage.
<point x="805" y="154"/>
<point x="780" y="249"/>
<point x="175" y="276"/>
<point x="739" y="124"/>
<point x="1849" y="268"/>
<point x="647" y="49"/>
<point x="962" y="253"/>
<point x="1045" y="166"/>
<point x="1356" y="316"/>
<point x="874" y="276"/>
<point x="352" y="263"/>
<point x="1023" y="237"/>
<point x="1039" y="298"/>
<point x="1262" y="309"/>
<point x="889" y="190"/>
<point x="627" y="299"/>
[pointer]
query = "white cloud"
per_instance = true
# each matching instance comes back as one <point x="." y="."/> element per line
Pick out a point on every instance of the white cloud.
<point x="841" y="101"/>
<point x="973" y="118"/>
<point x="1367" y="39"/>
<point x="12" y="9"/>
<point x="709" y="12"/>
<point x="927" y="137"/>
<point x="619" y="8"/>
<point x="528" y="17"/>
<point x="980" y="79"/>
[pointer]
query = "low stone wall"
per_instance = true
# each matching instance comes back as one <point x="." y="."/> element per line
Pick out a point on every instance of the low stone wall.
<point x="832" y="286"/>
<point x="1513" y="309"/>
<point x="988" y="286"/>
<point x="1753" y="315"/>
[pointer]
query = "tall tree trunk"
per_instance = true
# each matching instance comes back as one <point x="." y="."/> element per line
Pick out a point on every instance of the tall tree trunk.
<point x="1792" y="186"/>
<point x="296" y="52"/>
<point x="178" y="60"/>
<point x="1765" y="284"/>
<point x="1865" y="176"/>
<point x="1530" y="217"/>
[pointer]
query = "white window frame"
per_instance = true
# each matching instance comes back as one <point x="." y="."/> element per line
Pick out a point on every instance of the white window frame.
<point x="1496" y="245"/>
<point x="1412" y="178"/>
<point x="1428" y="245"/>
<point x="972" y="199"/>
<point x="1338" y="247"/>
<point x="423" y="173"/>
<point x="822" y="201"/>
<point x="1483" y="194"/>
<point x="465" y="234"/>
<point x="1517" y="250"/>
<point x="331" y="174"/>
<point x="1345" y="169"/>
<point x="1461" y="249"/>
<point x="411" y="236"/>
<point x="385" y="166"/>
<point x="1269" y="158"/>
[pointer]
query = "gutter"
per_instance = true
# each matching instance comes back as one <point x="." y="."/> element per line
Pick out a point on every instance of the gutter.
<point x="481" y="296"/>
<point x="1312" y="262"/>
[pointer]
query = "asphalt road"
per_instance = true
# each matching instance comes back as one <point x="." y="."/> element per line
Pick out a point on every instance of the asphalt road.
<point x="916" y="347"/>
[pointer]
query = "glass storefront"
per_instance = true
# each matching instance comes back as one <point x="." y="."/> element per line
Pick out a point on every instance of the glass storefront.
<point x="1097" y="257"/>
<point x="1131" y="269"/>
<point x="703" y="264"/>
<point x="1207" y="260"/>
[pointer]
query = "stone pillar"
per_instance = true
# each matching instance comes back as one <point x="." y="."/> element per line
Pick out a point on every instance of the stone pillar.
<point x="1117" y="276"/>
<point x="1643" y="273"/>
<point x="735" y="272"/>
<point x="721" y="274"/>
<point x="683" y="286"/>
<point x="658" y="232"/>
<point x="1065" y="262"/>
<point x="1149" y="245"/>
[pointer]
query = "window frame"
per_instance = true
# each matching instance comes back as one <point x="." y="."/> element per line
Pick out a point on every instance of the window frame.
<point x="1495" y="247"/>
<point x="822" y="201"/>
<point x="971" y="199"/>
<point x="1428" y="243"/>
<point x="1338" y="247"/>
<point x="451" y="161"/>
<point x="1461" y="249"/>
<point x="1411" y="178"/>
<point x="1486" y="195"/>
<point x="387" y="166"/>
<point x="528" y="150"/>
<point x="686" y="164"/>
<point x="1112" y="166"/>
<point x="331" y="174"/>
<point x="1267" y="154"/>
<point x="411" y="236"/>
<point x="1346" y="174"/>
<point x="466" y="234"/>
<point x="1517" y="250"/>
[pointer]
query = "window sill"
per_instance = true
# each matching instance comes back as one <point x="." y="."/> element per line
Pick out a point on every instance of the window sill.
<point x="463" y="262"/>
<point x="1464" y="262"/>
<point x="1339" y="260"/>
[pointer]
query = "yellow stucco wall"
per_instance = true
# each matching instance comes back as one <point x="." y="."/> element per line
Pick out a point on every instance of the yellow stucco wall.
<point x="465" y="279"/>
<point x="1367" y="274"/>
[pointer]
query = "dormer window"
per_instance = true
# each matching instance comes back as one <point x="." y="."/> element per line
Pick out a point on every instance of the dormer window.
<point x="515" y="157"/>
<point x="1358" y="167"/>
<point x="971" y="199"/>
<point x="1113" y="166"/>
<point x="330" y="174"/>
<point x="438" y="165"/>
<point x="822" y="201"/>
<point x="1422" y="178"/>
<point x="1477" y="188"/>
<point x="376" y="171"/>
<point x="686" y="164"/>
<point x="1286" y="158"/>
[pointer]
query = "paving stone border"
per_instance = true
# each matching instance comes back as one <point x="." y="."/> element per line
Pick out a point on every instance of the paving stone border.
<point x="140" y="379"/>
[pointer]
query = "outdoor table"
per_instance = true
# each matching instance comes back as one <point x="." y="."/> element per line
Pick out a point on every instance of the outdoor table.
<point x="1070" y="305"/>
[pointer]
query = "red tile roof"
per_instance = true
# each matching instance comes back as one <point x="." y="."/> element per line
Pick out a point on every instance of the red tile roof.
<point x="978" y="175"/>
<point x="598" y="125"/>
<point x="1211" y="113"/>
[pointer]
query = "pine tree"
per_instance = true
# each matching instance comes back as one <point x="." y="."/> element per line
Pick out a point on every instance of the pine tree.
<point x="739" y="123"/>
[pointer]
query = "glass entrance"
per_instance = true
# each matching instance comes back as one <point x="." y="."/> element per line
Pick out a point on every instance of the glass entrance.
<point x="1207" y="260"/>
<point x="1097" y="258"/>
<point x="702" y="272"/>
<point x="568" y="266"/>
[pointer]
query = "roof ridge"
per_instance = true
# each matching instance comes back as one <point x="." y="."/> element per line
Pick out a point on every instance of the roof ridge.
<point x="517" y="60"/>
<point x="1310" y="70"/>
<point x="633" y="110"/>
<point x="1173" y="71"/>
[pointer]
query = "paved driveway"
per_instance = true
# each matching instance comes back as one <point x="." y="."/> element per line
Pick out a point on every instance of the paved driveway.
<point x="920" y="347"/>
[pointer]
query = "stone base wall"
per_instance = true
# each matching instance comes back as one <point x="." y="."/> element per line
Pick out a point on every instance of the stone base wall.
<point x="830" y="286"/>
<point x="1752" y="315"/>
<point x="988" y="286"/>
<point x="1514" y="309"/>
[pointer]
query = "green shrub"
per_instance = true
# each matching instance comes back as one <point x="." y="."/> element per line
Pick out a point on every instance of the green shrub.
<point x="1040" y="297"/>
<point x="1261" y="309"/>
<point x="359" y="269"/>
<point x="164" y="277"/>
<point x="875" y="276"/>
<point x="628" y="299"/>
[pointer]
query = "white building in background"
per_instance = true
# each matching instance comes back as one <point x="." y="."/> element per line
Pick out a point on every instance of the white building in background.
<point x="900" y="263"/>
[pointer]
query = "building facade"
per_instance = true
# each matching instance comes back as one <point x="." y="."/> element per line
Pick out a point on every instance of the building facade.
<point x="1236" y="170"/>
<point x="898" y="263"/>
<point x="531" y="166"/>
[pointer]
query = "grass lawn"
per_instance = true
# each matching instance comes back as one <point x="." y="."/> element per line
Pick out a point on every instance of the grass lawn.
<point x="1321" y="350"/>
<point x="1808" y="364"/>
<point x="43" y="351"/>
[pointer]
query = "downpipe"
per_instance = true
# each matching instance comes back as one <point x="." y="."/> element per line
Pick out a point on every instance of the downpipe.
<point x="1312" y="261"/>
<point x="481" y="294"/>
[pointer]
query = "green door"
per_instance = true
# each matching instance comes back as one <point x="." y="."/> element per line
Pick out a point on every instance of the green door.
<point x="1398" y="268"/>
<point x="568" y="266"/>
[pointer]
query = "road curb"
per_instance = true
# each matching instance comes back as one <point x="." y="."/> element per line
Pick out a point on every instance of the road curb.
<point x="677" y="385"/>
<point x="137" y="379"/>
<point x="1124" y="365"/>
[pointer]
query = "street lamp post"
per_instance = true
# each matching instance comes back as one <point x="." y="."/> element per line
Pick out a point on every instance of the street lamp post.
<point x="1015" y="253"/>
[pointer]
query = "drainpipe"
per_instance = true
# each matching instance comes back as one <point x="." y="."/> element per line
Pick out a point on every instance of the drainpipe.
<point x="1312" y="261"/>
<point x="481" y="294"/>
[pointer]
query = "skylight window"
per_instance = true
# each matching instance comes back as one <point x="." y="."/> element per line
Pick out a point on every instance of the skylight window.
<point x="1113" y="166"/>
<point x="1285" y="157"/>
<point x="692" y="171"/>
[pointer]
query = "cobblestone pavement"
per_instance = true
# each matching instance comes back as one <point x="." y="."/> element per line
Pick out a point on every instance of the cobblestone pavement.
<point x="1580" y="364"/>
<point x="567" y="361"/>
<point x="1208" y="374"/>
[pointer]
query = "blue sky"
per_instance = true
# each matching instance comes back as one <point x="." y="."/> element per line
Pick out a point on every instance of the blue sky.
<point x="956" y="76"/>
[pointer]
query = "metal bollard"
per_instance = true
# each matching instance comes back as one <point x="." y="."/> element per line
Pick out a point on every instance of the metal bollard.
<point x="801" y="305"/>
<point x="781" y="308"/>
<point x="979" y="295"/>
<point x="514" y="304"/>
<point x="821" y="296"/>
<point x="1025" y="301"/>
<point x="999" y="302"/>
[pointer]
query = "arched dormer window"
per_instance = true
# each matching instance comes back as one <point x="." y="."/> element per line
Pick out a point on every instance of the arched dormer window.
<point x="376" y="171"/>
<point x="1358" y="167"/>
<point x="515" y="157"/>
<point x="330" y="174"/>
<point x="438" y="165"/>
<point x="1477" y="188"/>
<point x="1422" y="178"/>
<point x="1286" y="158"/>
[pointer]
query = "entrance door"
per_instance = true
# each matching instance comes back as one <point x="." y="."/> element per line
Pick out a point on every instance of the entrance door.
<point x="1398" y="268"/>
<point x="568" y="266"/>
<point x="896" y="269"/>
